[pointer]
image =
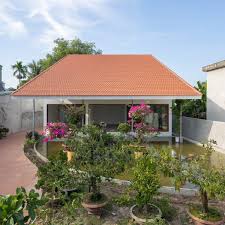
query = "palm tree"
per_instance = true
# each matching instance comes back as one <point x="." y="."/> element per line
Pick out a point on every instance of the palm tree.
<point x="20" y="71"/>
<point x="34" y="68"/>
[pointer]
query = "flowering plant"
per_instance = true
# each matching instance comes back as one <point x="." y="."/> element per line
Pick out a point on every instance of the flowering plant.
<point x="137" y="114"/>
<point x="55" y="130"/>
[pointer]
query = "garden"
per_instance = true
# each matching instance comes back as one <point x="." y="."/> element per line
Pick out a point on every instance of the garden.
<point x="79" y="186"/>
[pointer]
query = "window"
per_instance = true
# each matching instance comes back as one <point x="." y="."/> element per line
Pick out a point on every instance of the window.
<point x="159" y="118"/>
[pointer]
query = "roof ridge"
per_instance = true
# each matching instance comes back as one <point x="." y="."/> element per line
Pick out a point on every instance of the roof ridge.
<point x="41" y="73"/>
<point x="180" y="78"/>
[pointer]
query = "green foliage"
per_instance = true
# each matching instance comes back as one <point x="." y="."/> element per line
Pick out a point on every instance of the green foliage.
<point x="196" y="108"/>
<point x="34" y="68"/>
<point x="146" y="179"/>
<point x="124" y="128"/>
<point x="56" y="175"/>
<point x="198" y="171"/>
<point x="29" y="135"/>
<point x="124" y="200"/>
<point x="12" y="207"/>
<point x="156" y="221"/>
<point x="74" y="114"/>
<point x="3" y="131"/>
<point x="213" y="214"/>
<point x="168" y="211"/>
<point x="19" y="70"/>
<point x="97" y="153"/>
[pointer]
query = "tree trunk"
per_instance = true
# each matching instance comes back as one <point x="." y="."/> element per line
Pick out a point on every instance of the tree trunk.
<point x="204" y="199"/>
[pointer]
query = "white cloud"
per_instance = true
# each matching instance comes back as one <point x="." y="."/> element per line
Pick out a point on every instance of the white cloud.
<point x="67" y="18"/>
<point x="55" y="18"/>
<point x="9" y="24"/>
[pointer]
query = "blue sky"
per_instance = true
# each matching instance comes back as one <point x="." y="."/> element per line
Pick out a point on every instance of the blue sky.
<point x="184" y="35"/>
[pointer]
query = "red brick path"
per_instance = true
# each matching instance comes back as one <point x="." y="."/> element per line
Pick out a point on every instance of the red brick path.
<point x="15" y="169"/>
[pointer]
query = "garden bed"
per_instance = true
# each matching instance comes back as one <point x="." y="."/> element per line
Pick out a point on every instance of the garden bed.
<point x="117" y="211"/>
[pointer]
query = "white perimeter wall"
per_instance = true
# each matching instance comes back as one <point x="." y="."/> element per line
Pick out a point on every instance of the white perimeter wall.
<point x="17" y="113"/>
<point x="216" y="95"/>
<point x="202" y="130"/>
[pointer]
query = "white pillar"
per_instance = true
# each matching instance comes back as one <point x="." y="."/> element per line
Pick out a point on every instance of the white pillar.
<point x="33" y="127"/>
<point x="86" y="114"/>
<point x="181" y="138"/>
<point x="170" y="118"/>
<point x="45" y="116"/>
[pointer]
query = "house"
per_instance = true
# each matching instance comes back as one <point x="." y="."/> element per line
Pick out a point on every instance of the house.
<point x="215" y="91"/>
<point x="108" y="85"/>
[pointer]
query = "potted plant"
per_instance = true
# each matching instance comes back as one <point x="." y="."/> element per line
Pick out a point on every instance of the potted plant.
<point x="55" y="130"/>
<point x="98" y="155"/>
<point x="124" y="128"/>
<point x="146" y="184"/>
<point x="211" y="184"/>
<point x="57" y="179"/>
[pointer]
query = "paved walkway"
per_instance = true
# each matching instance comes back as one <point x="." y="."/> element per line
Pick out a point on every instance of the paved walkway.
<point x="15" y="169"/>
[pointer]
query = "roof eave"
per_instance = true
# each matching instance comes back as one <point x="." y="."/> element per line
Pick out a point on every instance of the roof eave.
<point x="110" y="97"/>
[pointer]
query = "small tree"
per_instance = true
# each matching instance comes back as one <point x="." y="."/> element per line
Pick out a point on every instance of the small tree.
<point x="56" y="176"/>
<point x="198" y="171"/>
<point x="146" y="180"/>
<point x="98" y="154"/>
<point x="211" y="180"/>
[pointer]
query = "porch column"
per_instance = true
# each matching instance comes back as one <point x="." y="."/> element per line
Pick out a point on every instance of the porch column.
<point x="86" y="114"/>
<point x="33" y="124"/>
<point x="181" y="138"/>
<point x="132" y="120"/>
<point x="45" y="114"/>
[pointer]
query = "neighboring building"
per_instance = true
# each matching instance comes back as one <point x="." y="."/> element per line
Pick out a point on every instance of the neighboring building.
<point x="108" y="85"/>
<point x="2" y="85"/>
<point x="215" y="91"/>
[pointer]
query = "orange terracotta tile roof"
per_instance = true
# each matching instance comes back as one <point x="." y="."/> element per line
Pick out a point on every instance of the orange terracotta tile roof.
<point x="107" y="75"/>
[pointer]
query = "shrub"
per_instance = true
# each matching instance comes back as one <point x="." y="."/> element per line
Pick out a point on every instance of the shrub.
<point x="3" y="131"/>
<point x="168" y="211"/>
<point x="124" y="128"/>
<point x="29" y="135"/>
<point x="56" y="175"/>
<point x="146" y="179"/>
<point x="98" y="154"/>
<point x="12" y="207"/>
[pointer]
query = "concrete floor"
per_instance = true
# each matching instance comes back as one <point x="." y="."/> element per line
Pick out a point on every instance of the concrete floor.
<point x="15" y="169"/>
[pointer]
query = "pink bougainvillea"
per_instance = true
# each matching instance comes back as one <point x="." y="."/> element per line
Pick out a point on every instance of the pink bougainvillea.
<point x="138" y="113"/>
<point x="55" y="130"/>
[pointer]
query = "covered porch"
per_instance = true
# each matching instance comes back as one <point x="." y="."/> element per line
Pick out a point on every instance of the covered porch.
<point x="111" y="112"/>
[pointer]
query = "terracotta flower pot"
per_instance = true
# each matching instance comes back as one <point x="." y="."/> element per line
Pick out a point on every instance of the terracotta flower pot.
<point x="198" y="221"/>
<point x="142" y="220"/>
<point x="95" y="208"/>
<point x="70" y="155"/>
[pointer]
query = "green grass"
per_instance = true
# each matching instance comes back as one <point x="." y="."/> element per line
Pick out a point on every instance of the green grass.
<point x="213" y="215"/>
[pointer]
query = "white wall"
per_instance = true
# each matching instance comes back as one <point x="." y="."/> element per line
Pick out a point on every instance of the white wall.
<point x="16" y="113"/>
<point x="200" y="130"/>
<point x="216" y="95"/>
